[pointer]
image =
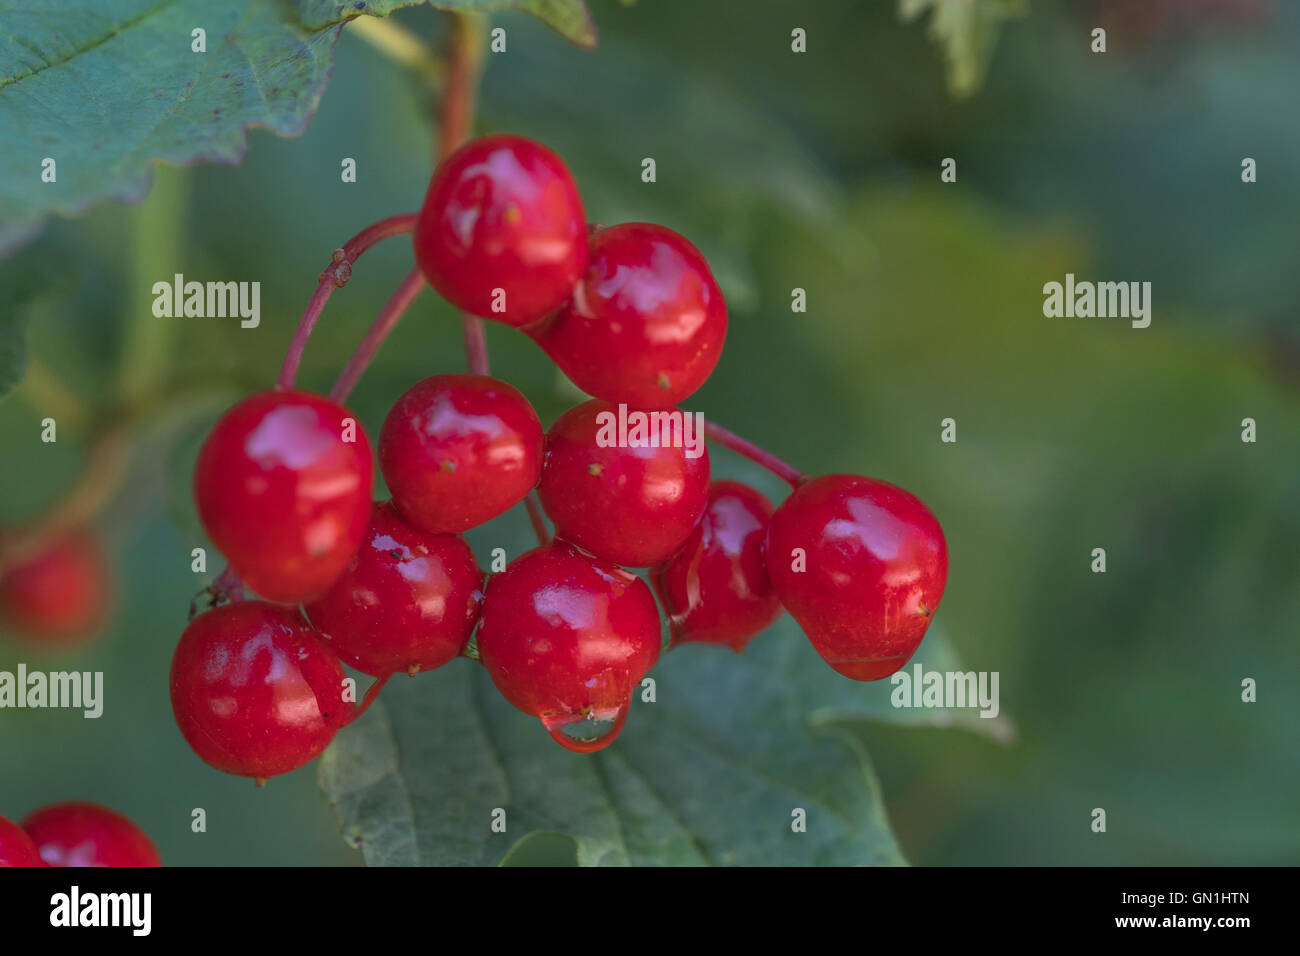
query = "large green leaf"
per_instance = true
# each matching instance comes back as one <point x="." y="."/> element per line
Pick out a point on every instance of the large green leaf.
<point x="709" y="773"/>
<point x="106" y="88"/>
<point x="570" y="18"/>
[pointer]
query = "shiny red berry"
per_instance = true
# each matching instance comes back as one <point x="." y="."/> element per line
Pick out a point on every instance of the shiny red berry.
<point x="502" y="233"/>
<point x="646" y="323"/>
<point x="610" y="491"/>
<point x="255" y="690"/>
<point x="458" y="450"/>
<point x="86" y="834"/>
<point x="283" y="487"/>
<point x="60" y="593"/>
<point x="16" y="847"/>
<point x="408" y="601"/>
<point x="567" y="638"/>
<point x="716" y="587"/>
<point x="861" y="565"/>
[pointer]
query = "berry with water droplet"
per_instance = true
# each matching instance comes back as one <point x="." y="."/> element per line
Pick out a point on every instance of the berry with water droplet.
<point x="60" y="593"/>
<point x="256" y="691"/>
<point x="458" y="450"/>
<point x="630" y="505"/>
<point x="86" y="834"/>
<point x="567" y="637"/>
<point x="502" y="233"/>
<point x="645" y="325"/>
<point x="16" y="847"/>
<point x="408" y="601"/>
<point x="283" y="487"/>
<point x="861" y="565"/>
<point x="716" y="588"/>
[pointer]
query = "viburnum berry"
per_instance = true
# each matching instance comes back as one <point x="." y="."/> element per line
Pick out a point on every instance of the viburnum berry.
<point x="502" y="233"/>
<point x="408" y="601"/>
<point x="16" y="847"/>
<point x="567" y="637"/>
<point x="59" y="594"/>
<point x="716" y="587"/>
<point x="458" y="450"/>
<point x="633" y="505"/>
<point x="86" y="834"/>
<point x="647" y="322"/>
<point x="283" y="486"/>
<point x="861" y="565"/>
<point x="255" y="690"/>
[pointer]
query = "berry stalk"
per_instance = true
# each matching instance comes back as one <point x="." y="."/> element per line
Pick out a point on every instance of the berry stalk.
<point x="372" y="692"/>
<point x="335" y="276"/>
<point x="464" y="56"/>
<point x="384" y="323"/>
<point x="476" y="353"/>
<point x="535" y="517"/>
<point x="747" y="449"/>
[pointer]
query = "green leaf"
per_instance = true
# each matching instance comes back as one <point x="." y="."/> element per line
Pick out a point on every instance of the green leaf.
<point x="106" y="88"/>
<point x="708" y="773"/>
<point x="967" y="30"/>
<point x="570" y="18"/>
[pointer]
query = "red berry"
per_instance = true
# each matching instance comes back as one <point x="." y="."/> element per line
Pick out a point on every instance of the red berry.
<point x="60" y="593"/>
<point x="502" y="233"/>
<point x="255" y="690"/>
<point x="86" y="834"/>
<point x="283" y="488"/>
<point x="16" y="847"/>
<point x="458" y="450"/>
<point x="630" y="505"/>
<point x="646" y="323"/>
<point x="567" y="638"/>
<point x="874" y="566"/>
<point x="716" y="587"/>
<point x="408" y="601"/>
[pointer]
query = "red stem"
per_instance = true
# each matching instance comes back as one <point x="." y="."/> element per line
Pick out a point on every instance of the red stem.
<point x="729" y="439"/>
<point x="455" y="117"/>
<point x="535" y="516"/>
<point x="460" y="82"/>
<point x="229" y="582"/>
<point x="293" y="357"/>
<point x="334" y="277"/>
<point x="476" y="351"/>
<point x="388" y="317"/>
<point x="371" y="693"/>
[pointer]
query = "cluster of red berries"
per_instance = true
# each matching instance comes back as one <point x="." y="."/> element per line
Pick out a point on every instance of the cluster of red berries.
<point x="75" y="834"/>
<point x="633" y="316"/>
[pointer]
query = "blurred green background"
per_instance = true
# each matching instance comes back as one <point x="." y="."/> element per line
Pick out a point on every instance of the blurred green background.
<point x="818" y="171"/>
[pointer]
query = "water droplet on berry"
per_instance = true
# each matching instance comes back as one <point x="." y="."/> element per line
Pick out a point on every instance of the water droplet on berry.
<point x="589" y="732"/>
